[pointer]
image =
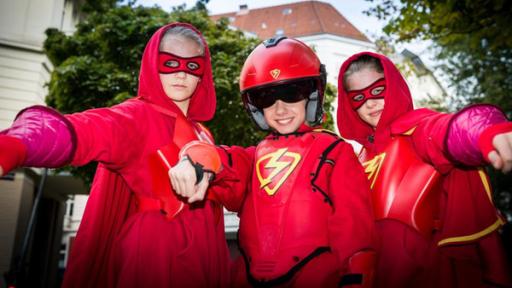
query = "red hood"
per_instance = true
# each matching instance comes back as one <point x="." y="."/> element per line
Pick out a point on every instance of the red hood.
<point x="398" y="101"/>
<point x="203" y="102"/>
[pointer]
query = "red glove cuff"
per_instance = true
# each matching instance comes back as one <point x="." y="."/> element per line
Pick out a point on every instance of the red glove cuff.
<point x="485" y="139"/>
<point x="204" y="154"/>
<point x="12" y="153"/>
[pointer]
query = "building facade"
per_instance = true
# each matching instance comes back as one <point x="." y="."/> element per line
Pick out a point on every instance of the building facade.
<point x="24" y="71"/>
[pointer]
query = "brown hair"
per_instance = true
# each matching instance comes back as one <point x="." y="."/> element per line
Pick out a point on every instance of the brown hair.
<point x="363" y="62"/>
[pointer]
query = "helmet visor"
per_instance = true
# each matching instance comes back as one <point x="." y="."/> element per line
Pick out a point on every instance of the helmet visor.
<point x="293" y="92"/>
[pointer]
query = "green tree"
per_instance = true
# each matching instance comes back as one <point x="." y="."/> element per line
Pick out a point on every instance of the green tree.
<point x="98" y="65"/>
<point x="471" y="38"/>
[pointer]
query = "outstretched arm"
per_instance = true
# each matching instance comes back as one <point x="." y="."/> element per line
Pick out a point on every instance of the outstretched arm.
<point x="467" y="137"/>
<point x="480" y="133"/>
<point x="51" y="139"/>
<point x="39" y="137"/>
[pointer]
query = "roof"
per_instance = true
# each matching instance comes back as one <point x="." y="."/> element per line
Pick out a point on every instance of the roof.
<point x="418" y="65"/>
<point x="293" y="20"/>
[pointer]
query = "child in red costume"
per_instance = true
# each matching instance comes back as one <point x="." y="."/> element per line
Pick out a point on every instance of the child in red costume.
<point x="436" y="221"/>
<point x="127" y="237"/>
<point x="303" y="202"/>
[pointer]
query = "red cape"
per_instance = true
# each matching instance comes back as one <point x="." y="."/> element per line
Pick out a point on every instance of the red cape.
<point x="121" y="138"/>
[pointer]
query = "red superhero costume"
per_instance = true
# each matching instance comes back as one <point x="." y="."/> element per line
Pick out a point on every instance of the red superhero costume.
<point x="436" y="221"/>
<point x="125" y="238"/>
<point x="306" y="218"/>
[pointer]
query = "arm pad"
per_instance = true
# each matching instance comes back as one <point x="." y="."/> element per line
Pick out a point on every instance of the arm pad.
<point x="49" y="137"/>
<point x="464" y="131"/>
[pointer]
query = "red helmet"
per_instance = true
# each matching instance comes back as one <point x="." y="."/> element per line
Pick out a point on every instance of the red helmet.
<point x="282" y="63"/>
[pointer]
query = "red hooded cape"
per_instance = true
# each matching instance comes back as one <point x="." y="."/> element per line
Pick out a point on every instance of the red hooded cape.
<point x="115" y="246"/>
<point x="467" y="212"/>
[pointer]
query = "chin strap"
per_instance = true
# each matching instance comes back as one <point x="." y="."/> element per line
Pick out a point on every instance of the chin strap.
<point x="361" y="270"/>
<point x="203" y="156"/>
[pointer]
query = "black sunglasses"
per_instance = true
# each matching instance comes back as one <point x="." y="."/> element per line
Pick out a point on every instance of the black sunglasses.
<point x="293" y="92"/>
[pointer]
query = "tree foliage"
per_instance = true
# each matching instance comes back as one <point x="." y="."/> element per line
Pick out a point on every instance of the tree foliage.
<point x="472" y="39"/>
<point x="98" y="64"/>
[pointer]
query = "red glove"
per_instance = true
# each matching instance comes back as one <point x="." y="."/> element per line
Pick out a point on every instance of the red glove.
<point x="204" y="157"/>
<point x="485" y="140"/>
<point x="12" y="153"/>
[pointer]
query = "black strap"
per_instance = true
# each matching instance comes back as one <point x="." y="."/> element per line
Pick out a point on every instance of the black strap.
<point x="199" y="169"/>
<point x="351" y="279"/>
<point x="323" y="160"/>
<point x="286" y="277"/>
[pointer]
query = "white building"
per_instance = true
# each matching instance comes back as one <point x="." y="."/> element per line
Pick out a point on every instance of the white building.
<point x="333" y="38"/>
<point x="24" y="70"/>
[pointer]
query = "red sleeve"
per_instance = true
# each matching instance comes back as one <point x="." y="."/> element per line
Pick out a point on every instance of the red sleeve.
<point x="108" y="135"/>
<point x="447" y="140"/>
<point x="231" y="184"/>
<point x="429" y="141"/>
<point x="351" y="226"/>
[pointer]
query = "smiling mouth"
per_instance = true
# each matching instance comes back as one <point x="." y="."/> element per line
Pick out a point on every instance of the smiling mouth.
<point x="284" y="121"/>
<point x="376" y="113"/>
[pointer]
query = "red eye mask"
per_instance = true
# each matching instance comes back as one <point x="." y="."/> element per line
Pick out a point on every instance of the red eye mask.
<point x="373" y="91"/>
<point x="169" y="63"/>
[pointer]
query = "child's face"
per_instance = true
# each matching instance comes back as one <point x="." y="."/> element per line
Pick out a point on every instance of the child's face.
<point x="371" y="110"/>
<point x="285" y="117"/>
<point x="180" y="86"/>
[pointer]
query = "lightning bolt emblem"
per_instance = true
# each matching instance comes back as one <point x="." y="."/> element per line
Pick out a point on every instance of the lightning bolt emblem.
<point x="372" y="167"/>
<point x="276" y="165"/>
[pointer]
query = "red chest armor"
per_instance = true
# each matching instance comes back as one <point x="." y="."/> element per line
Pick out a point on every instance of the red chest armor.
<point x="283" y="221"/>
<point x="164" y="198"/>
<point x="404" y="188"/>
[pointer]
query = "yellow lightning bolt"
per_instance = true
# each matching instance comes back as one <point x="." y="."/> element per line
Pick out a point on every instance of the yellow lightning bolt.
<point x="372" y="167"/>
<point x="278" y="166"/>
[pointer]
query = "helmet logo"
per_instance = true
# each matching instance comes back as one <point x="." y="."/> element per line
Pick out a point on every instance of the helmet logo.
<point x="275" y="73"/>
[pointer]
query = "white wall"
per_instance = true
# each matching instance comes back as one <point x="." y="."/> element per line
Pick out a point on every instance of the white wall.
<point x="425" y="88"/>
<point x="24" y="69"/>
<point x="23" y="74"/>
<point x="23" y="22"/>
<point x="334" y="50"/>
